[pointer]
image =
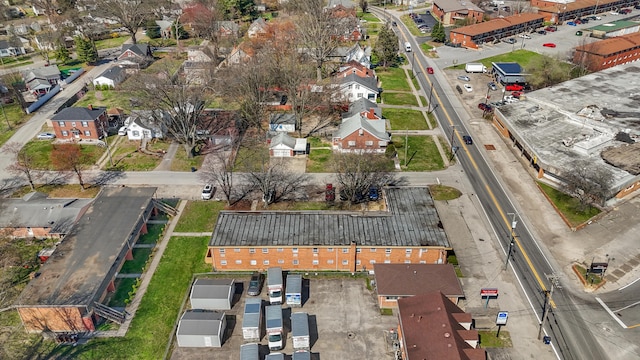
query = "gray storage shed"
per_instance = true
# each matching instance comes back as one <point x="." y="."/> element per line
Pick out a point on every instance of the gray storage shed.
<point x="212" y="294"/>
<point x="274" y="356"/>
<point x="301" y="355"/>
<point x="250" y="352"/>
<point x="199" y="328"/>
<point x="293" y="291"/>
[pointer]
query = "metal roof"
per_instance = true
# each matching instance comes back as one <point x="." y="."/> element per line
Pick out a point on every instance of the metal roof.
<point x="299" y="324"/>
<point x="212" y="288"/>
<point x="294" y="284"/>
<point x="412" y="220"/>
<point x="251" y="317"/>
<point x="249" y="351"/>
<point x="511" y="68"/>
<point x="198" y="322"/>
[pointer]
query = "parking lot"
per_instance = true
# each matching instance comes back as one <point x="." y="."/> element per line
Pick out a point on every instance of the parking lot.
<point x="343" y="319"/>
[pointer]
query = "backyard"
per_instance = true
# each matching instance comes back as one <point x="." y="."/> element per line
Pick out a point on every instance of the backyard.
<point x="319" y="161"/>
<point x="422" y="153"/>
<point x="395" y="98"/>
<point x="393" y="79"/>
<point x="199" y="216"/>
<point x="127" y="157"/>
<point x="12" y="118"/>
<point x="404" y="119"/>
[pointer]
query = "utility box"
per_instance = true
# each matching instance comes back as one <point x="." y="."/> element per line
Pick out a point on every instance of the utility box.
<point x="300" y="331"/>
<point x="293" y="293"/>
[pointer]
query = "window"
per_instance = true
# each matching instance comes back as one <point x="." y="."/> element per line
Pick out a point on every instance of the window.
<point x="87" y="133"/>
<point x="407" y="261"/>
<point x="295" y="261"/>
<point x="359" y="95"/>
<point x="135" y="133"/>
<point x="85" y="124"/>
<point x="236" y="250"/>
<point x="315" y="262"/>
<point x="329" y="261"/>
<point x="350" y="86"/>
<point x="357" y="86"/>
<point x="423" y="262"/>
<point x="358" y="251"/>
<point x="345" y="250"/>
<point x="372" y="250"/>
<point x="382" y="143"/>
<point x="238" y="262"/>
<point x="369" y="143"/>
<point x="61" y="123"/>
<point x="265" y="262"/>
<point x="253" y="262"/>
<point x="280" y="261"/>
<point x="221" y="251"/>
<point x="387" y="261"/>
<point x="294" y="250"/>
<point x="329" y="249"/>
<point x="223" y="262"/>
<point x="352" y="143"/>
<point x="345" y="262"/>
<point x="372" y="261"/>
<point x="408" y="251"/>
<point x="73" y="124"/>
<point x="391" y="298"/>
<point x="65" y="133"/>
<point x="265" y="251"/>
<point x="252" y="251"/>
<point x="358" y="262"/>
<point x="280" y="250"/>
<point x="315" y="250"/>
<point x="387" y="251"/>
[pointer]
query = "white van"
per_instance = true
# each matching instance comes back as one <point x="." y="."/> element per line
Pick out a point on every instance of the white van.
<point x="122" y="131"/>
<point x="407" y="47"/>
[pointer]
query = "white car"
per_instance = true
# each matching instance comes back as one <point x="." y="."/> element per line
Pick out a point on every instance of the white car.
<point x="614" y="13"/>
<point x="598" y="18"/>
<point x="46" y="136"/>
<point x="207" y="192"/>
<point x="468" y="87"/>
<point x="524" y="36"/>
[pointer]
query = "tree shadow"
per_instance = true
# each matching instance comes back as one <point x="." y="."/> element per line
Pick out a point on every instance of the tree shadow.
<point x="107" y="177"/>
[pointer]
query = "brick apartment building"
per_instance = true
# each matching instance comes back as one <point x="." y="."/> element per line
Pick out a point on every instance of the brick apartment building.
<point x="475" y="35"/>
<point x="559" y="12"/>
<point x="410" y="232"/>
<point x="448" y="11"/>
<point x="79" y="123"/>
<point x="607" y="53"/>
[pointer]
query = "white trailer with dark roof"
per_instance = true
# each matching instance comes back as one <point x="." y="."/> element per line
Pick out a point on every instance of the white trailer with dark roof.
<point x="251" y="319"/>
<point x="274" y="356"/>
<point x="300" y="331"/>
<point x="274" y="325"/>
<point x="275" y="286"/>
<point x="301" y="355"/>
<point x="250" y="352"/>
<point x="293" y="293"/>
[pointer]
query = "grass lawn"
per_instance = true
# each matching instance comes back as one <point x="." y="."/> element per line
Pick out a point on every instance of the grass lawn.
<point x="411" y="25"/>
<point x="167" y="63"/>
<point x="111" y="43"/>
<point x="40" y="150"/>
<point x="414" y="79"/>
<point x="432" y="120"/>
<point x="407" y="99"/>
<point x="64" y="191"/>
<point x="181" y="162"/>
<point x="108" y="98"/>
<point x="422" y="154"/>
<point x="136" y="265"/>
<point x="569" y="206"/>
<point x="488" y="339"/>
<point x="443" y="192"/>
<point x="14" y="116"/>
<point x="314" y="141"/>
<point x="403" y="119"/>
<point x="367" y="16"/>
<point x="199" y="216"/>
<point x="426" y="47"/>
<point x="123" y="287"/>
<point x="71" y="64"/>
<point x="393" y="79"/>
<point x="153" y="323"/>
<point x="522" y="57"/>
<point x="126" y="156"/>
<point x="319" y="161"/>
<point x="153" y="234"/>
<point x="591" y="279"/>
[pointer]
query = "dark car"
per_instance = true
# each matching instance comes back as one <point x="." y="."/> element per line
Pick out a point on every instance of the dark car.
<point x="255" y="284"/>
<point x="374" y="194"/>
<point x="283" y="99"/>
<point x="542" y="32"/>
<point x="394" y="24"/>
<point x="511" y="41"/>
<point x="485" y="107"/>
<point x="467" y="139"/>
<point x="459" y="89"/>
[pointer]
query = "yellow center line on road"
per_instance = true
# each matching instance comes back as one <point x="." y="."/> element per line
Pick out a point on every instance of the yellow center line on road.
<point x="475" y="166"/>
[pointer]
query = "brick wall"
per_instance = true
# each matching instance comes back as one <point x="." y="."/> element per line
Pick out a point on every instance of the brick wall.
<point x="343" y="258"/>
<point x="360" y="139"/>
<point x="73" y="127"/>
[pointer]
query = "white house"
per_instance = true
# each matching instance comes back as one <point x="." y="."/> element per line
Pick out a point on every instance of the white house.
<point x="283" y="145"/>
<point x="111" y="77"/>
<point x="360" y="54"/>
<point x="354" y="87"/>
<point x="282" y="122"/>
<point x="8" y="49"/>
<point x="145" y="124"/>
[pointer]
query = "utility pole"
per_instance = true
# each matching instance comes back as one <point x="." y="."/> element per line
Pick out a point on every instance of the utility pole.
<point x="513" y="238"/>
<point x="453" y="133"/>
<point x="553" y="278"/>
<point x="430" y="95"/>
<point x="406" y="146"/>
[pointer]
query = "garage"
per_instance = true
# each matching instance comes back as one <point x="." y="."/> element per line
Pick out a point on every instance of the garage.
<point x="281" y="153"/>
<point x="283" y="145"/>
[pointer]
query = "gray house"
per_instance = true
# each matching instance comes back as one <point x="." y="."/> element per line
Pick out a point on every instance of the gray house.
<point x="212" y="294"/>
<point x="199" y="328"/>
<point x="508" y="73"/>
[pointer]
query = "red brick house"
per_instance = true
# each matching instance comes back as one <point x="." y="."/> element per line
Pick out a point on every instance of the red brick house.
<point x="449" y="11"/>
<point x="354" y="67"/>
<point x="359" y="134"/>
<point x="78" y="123"/>
<point x="609" y="52"/>
<point x="432" y="327"/>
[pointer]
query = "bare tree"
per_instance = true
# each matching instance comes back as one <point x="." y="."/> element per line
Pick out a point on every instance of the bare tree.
<point x="204" y="17"/>
<point x="545" y="71"/>
<point x="69" y="157"/>
<point x="218" y="170"/>
<point x="15" y="85"/>
<point x="131" y="14"/>
<point x="356" y="173"/>
<point x="364" y="5"/>
<point x="24" y="164"/>
<point x="587" y="182"/>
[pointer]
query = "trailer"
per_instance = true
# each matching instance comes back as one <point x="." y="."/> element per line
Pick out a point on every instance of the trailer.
<point x="275" y="330"/>
<point x="300" y="331"/>
<point x="293" y="293"/>
<point x="275" y="286"/>
<point x="249" y="352"/>
<point x="251" y="319"/>
<point x="475" y="68"/>
<point x="301" y="355"/>
<point x="274" y="356"/>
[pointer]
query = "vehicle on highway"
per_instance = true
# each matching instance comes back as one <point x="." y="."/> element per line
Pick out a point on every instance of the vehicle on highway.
<point x="394" y="23"/>
<point x="571" y="23"/>
<point x="467" y="139"/>
<point x="485" y="107"/>
<point x="46" y="136"/>
<point x="468" y="87"/>
<point x="255" y="284"/>
<point x="524" y="36"/>
<point x="464" y="78"/>
<point x="429" y="70"/>
<point x="551" y="45"/>
<point x="207" y="192"/>
<point x="514" y="87"/>
<point x="542" y="32"/>
<point x="492" y="86"/>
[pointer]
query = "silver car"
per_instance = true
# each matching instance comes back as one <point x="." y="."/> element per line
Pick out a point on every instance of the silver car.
<point x="464" y="78"/>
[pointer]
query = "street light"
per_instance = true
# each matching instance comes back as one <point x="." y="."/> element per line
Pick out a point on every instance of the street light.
<point x="513" y="237"/>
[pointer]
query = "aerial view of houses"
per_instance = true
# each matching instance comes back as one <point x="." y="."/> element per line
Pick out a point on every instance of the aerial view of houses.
<point x="311" y="179"/>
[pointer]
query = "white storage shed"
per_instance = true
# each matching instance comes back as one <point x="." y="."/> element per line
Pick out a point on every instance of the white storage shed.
<point x="212" y="294"/>
<point x="199" y="328"/>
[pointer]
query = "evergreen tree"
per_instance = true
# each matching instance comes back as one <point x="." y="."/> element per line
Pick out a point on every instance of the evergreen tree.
<point x="153" y="30"/>
<point x="438" y="34"/>
<point x="183" y="34"/>
<point x="62" y="53"/>
<point x="387" y="47"/>
<point x="86" y="50"/>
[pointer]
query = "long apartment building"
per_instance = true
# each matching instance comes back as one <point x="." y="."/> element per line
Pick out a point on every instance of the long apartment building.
<point x="608" y="53"/>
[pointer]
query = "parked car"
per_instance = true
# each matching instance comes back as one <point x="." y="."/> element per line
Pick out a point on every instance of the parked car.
<point x="255" y="284"/>
<point x="468" y="87"/>
<point x="46" y="136"/>
<point x="511" y="41"/>
<point x="571" y="23"/>
<point x="517" y="94"/>
<point x="551" y="45"/>
<point x="514" y="87"/>
<point x="374" y="194"/>
<point x="394" y="23"/>
<point x="542" y="32"/>
<point x="467" y="139"/>
<point x="524" y="36"/>
<point x="578" y="33"/>
<point x="584" y="21"/>
<point x="614" y="13"/>
<point x="598" y="18"/>
<point x="637" y="7"/>
<point x="464" y="78"/>
<point x="459" y="89"/>
<point x="429" y="70"/>
<point x="625" y="11"/>
<point x="492" y="86"/>
<point x="551" y="28"/>
<point x="207" y="192"/>
<point x="485" y="107"/>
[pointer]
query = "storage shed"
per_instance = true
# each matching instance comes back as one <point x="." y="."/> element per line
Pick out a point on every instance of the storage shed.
<point x="274" y="356"/>
<point x="250" y="352"/>
<point x="301" y="355"/>
<point x="199" y="328"/>
<point x="294" y="290"/>
<point x="212" y="294"/>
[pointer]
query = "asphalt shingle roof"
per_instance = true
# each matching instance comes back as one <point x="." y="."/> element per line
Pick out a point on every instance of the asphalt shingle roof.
<point x="112" y="73"/>
<point x="357" y="122"/>
<point x="79" y="113"/>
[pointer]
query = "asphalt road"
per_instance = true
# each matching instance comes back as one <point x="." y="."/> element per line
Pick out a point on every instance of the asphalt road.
<point x="569" y="333"/>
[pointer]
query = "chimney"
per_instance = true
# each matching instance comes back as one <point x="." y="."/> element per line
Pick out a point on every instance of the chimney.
<point x="372" y="112"/>
<point x="419" y="318"/>
<point x="90" y="107"/>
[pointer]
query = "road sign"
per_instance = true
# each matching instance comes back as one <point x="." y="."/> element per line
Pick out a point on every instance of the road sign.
<point x="501" y="319"/>
<point x="489" y="292"/>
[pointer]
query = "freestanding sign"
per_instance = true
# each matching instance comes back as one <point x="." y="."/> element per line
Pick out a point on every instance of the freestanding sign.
<point x="488" y="293"/>
<point x="501" y="319"/>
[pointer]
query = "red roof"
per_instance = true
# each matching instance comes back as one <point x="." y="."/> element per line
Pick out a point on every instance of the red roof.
<point x="497" y="24"/>
<point x="612" y="45"/>
<point x="416" y="279"/>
